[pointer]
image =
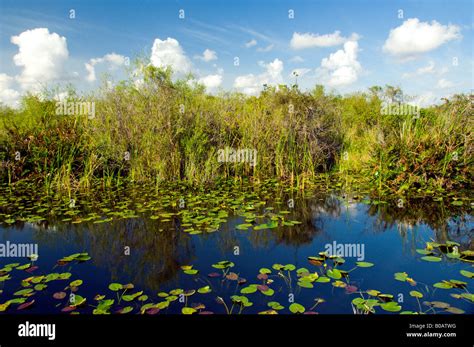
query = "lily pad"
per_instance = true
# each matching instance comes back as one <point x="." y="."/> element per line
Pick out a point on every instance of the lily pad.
<point x="364" y="264"/>
<point x="431" y="258"/>
<point x="296" y="308"/>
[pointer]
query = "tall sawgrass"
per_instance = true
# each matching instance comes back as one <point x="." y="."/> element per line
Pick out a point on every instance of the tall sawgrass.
<point x="154" y="127"/>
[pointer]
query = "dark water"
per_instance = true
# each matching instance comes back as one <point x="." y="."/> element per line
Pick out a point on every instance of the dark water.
<point x="389" y="235"/>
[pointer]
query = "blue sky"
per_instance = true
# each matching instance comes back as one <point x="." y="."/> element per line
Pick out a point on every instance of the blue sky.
<point x="345" y="45"/>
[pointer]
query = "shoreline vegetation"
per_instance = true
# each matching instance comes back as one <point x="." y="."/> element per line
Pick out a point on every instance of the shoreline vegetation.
<point x="155" y="128"/>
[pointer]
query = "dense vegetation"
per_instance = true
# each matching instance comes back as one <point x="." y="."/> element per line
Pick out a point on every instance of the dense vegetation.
<point x="166" y="129"/>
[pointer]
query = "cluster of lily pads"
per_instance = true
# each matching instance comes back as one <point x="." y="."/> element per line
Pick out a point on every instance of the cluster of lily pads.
<point x="224" y="286"/>
<point x="173" y="206"/>
<point x="434" y="252"/>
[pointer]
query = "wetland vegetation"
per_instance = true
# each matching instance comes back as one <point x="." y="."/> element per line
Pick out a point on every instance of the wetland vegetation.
<point x="134" y="213"/>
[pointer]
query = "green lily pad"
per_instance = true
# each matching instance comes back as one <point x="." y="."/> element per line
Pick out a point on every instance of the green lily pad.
<point x="443" y="285"/>
<point x="334" y="274"/>
<point x="416" y="294"/>
<point x="204" y="290"/>
<point x="467" y="274"/>
<point x="431" y="258"/>
<point x="249" y="289"/>
<point x="296" y="308"/>
<point x="75" y="283"/>
<point x="115" y="286"/>
<point x="391" y="306"/>
<point x="364" y="264"/>
<point x="188" y="310"/>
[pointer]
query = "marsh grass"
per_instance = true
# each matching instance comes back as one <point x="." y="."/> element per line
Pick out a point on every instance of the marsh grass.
<point x="156" y="128"/>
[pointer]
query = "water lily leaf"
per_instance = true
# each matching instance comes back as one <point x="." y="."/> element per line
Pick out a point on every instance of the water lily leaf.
<point x="115" y="286"/>
<point x="25" y="305"/>
<point x="431" y="258"/>
<point x="401" y="276"/>
<point x="467" y="274"/>
<point x="75" y="283"/>
<point x="268" y="292"/>
<point x="24" y="292"/>
<point x="4" y="278"/>
<point x="468" y="296"/>
<point x="278" y="267"/>
<point x="289" y="267"/>
<point x="391" y="306"/>
<point x="443" y="285"/>
<point x="125" y="310"/>
<point x="373" y="292"/>
<point x="264" y="270"/>
<point x="189" y="292"/>
<point x="131" y="297"/>
<point x="17" y="301"/>
<point x="223" y="264"/>
<point x="188" y="310"/>
<point x="454" y="310"/>
<point x="339" y="284"/>
<point x="4" y="306"/>
<point x="232" y="276"/>
<point x="275" y="305"/>
<point x="334" y="274"/>
<point x="40" y="287"/>
<point x="204" y="290"/>
<point x="64" y="276"/>
<point x="323" y="279"/>
<point x="296" y="308"/>
<point x="249" y="289"/>
<point x="351" y="289"/>
<point x="305" y="284"/>
<point x="162" y="305"/>
<point x="364" y="264"/>
<point x="458" y="284"/>
<point x="416" y="294"/>
<point x="24" y="267"/>
<point x="439" y="304"/>
<point x="191" y="272"/>
<point x="358" y="301"/>
<point x="76" y="301"/>
<point x="59" y="295"/>
<point x="302" y="271"/>
<point x="244" y="226"/>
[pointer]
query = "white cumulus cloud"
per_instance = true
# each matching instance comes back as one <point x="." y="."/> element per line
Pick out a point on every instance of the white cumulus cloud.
<point x="252" y="84"/>
<point x="207" y="55"/>
<point x="8" y="96"/>
<point x="211" y="82"/>
<point x="42" y="56"/>
<point x="308" y="40"/>
<point x="112" y="59"/>
<point x="170" y="53"/>
<point x="341" y="68"/>
<point x="414" y="37"/>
